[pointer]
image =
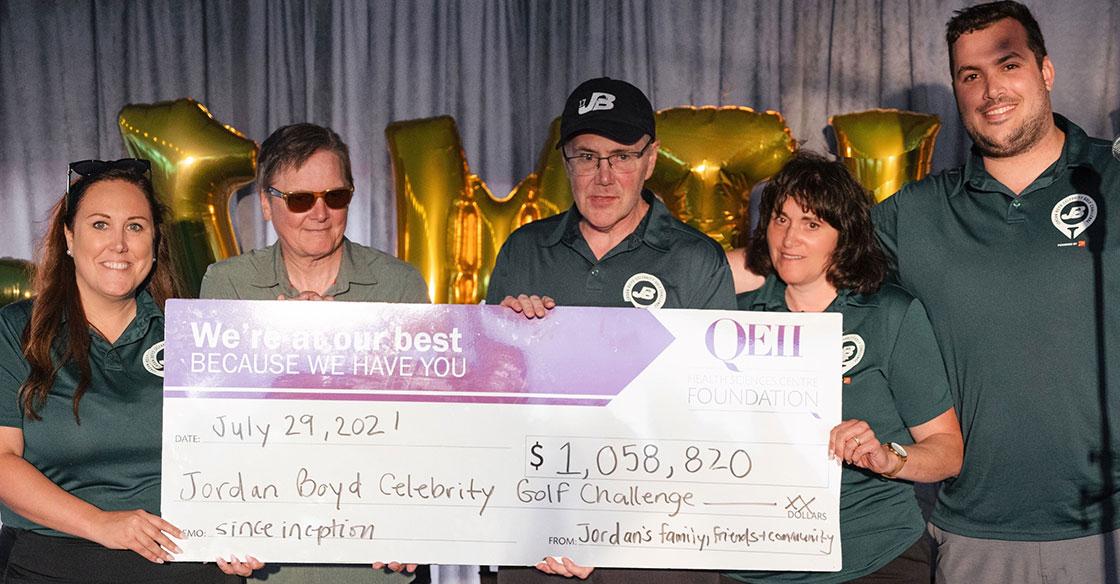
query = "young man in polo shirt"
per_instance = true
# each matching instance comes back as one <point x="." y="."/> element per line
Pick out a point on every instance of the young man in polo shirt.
<point x="1013" y="258"/>
<point x="616" y="246"/>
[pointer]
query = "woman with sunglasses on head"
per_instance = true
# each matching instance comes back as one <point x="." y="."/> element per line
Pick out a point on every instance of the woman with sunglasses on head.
<point x="814" y="250"/>
<point x="81" y="393"/>
<point x="305" y="185"/>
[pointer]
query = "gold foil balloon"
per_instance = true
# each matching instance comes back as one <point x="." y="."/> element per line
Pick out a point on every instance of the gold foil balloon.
<point x="449" y="225"/>
<point x="197" y="164"/>
<point x="15" y="280"/>
<point x="710" y="159"/>
<point x="545" y="191"/>
<point x="886" y="148"/>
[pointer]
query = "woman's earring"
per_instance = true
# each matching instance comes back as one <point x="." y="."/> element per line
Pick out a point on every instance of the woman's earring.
<point x="69" y="253"/>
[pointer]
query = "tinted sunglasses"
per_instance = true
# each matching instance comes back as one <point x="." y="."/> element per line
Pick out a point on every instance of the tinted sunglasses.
<point x="91" y="168"/>
<point x="303" y="201"/>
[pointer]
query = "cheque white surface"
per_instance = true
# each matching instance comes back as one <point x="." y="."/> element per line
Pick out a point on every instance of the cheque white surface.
<point x="348" y="432"/>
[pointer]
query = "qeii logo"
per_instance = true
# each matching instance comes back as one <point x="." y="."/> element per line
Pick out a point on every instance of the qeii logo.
<point x="729" y="341"/>
<point x="1074" y="214"/>
<point x="597" y="101"/>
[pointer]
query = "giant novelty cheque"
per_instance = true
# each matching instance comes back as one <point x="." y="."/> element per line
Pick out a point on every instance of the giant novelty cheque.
<point x="459" y="434"/>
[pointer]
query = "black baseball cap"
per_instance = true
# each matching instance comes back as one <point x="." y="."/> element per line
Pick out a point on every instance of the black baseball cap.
<point x="607" y="107"/>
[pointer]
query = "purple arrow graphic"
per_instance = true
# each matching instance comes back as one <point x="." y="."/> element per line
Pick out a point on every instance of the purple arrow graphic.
<point x="587" y="350"/>
<point x="393" y="352"/>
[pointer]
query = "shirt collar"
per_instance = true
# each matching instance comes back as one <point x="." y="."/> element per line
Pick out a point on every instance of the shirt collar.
<point x="771" y="297"/>
<point x="348" y="272"/>
<point x="1073" y="154"/>
<point x="654" y="228"/>
<point x="148" y="315"/>
<point x="273" y="272"/>
<point x="146" y="308"/>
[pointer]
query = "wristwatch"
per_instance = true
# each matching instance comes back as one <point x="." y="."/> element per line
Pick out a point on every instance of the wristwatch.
<point x="896" y="449"/>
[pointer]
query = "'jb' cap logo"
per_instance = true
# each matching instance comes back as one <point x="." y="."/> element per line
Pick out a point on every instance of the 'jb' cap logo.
<point x="597" y="101"/>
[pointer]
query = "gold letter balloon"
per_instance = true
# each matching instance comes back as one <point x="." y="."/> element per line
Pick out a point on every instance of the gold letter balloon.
<point x="449" y="225"/>
<point x="197" y="164"/>
<point x="886" y="148"/>
<point x="710" y="159"/>
<point x="15" y="280"/>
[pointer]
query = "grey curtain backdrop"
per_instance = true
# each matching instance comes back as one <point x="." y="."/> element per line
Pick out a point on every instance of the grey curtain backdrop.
<point x="501" y="67"/>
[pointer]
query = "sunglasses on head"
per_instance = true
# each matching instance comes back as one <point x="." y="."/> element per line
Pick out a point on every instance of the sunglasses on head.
<point x="91" y="168"/>
<point x="303" y="201"/>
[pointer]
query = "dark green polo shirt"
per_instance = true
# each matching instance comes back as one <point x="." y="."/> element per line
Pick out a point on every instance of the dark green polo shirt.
<point x="365" y="275"/>
<point x="894" y="379"/>
<point x="1023" y="294"/>
<point x="662" y="264"/>
<point x="111" y="460"/>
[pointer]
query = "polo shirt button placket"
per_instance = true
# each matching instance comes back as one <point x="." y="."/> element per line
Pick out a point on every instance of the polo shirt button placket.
<point x="1015" y="211"/>
<point x="113" y="361"/>
<point x="595" y="278"/>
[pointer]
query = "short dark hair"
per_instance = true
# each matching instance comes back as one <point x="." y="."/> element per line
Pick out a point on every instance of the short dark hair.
<point x="291" y="146"/>
<point x="831" y="192"/>
<point x="982" y="16"/>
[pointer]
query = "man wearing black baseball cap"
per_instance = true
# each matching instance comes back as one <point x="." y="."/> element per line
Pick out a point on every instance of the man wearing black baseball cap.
<point x="610" y="108"/>
<point x="617" y="245"/>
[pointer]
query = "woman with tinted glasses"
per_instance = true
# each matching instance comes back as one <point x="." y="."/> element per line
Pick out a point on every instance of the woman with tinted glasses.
<point x="814" y="250"/>
<point x="305" y="185"/>
<point x="81" y="393"/>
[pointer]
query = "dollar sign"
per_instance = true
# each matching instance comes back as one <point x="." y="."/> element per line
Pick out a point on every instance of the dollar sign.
<point x="538" y="460"/>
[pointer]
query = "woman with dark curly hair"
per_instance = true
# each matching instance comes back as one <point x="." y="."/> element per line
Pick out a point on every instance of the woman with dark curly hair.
<point x="81" y="393"/>
<point x="814" y="250"/>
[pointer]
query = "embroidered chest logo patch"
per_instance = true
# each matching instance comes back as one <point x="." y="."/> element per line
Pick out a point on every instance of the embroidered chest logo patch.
<point x="1074" y="214"/>
<point x="644" y="291"/>
<point x="153" y="359"/>
<point x="853" y="348"/>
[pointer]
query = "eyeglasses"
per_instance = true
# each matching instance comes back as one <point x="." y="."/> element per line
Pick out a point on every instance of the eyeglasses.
<point x="303" y="201"/>
<point x="586" y="163"/>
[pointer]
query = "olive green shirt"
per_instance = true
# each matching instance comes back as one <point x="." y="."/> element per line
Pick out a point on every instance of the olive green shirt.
<point x="894" y="379"/>
<point x="365" y="275"/>
<point x="112" y="459"/>
<point x="1023" y="294"/>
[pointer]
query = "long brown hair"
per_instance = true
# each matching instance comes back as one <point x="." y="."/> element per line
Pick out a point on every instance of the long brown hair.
<point x="58" y="333"/>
